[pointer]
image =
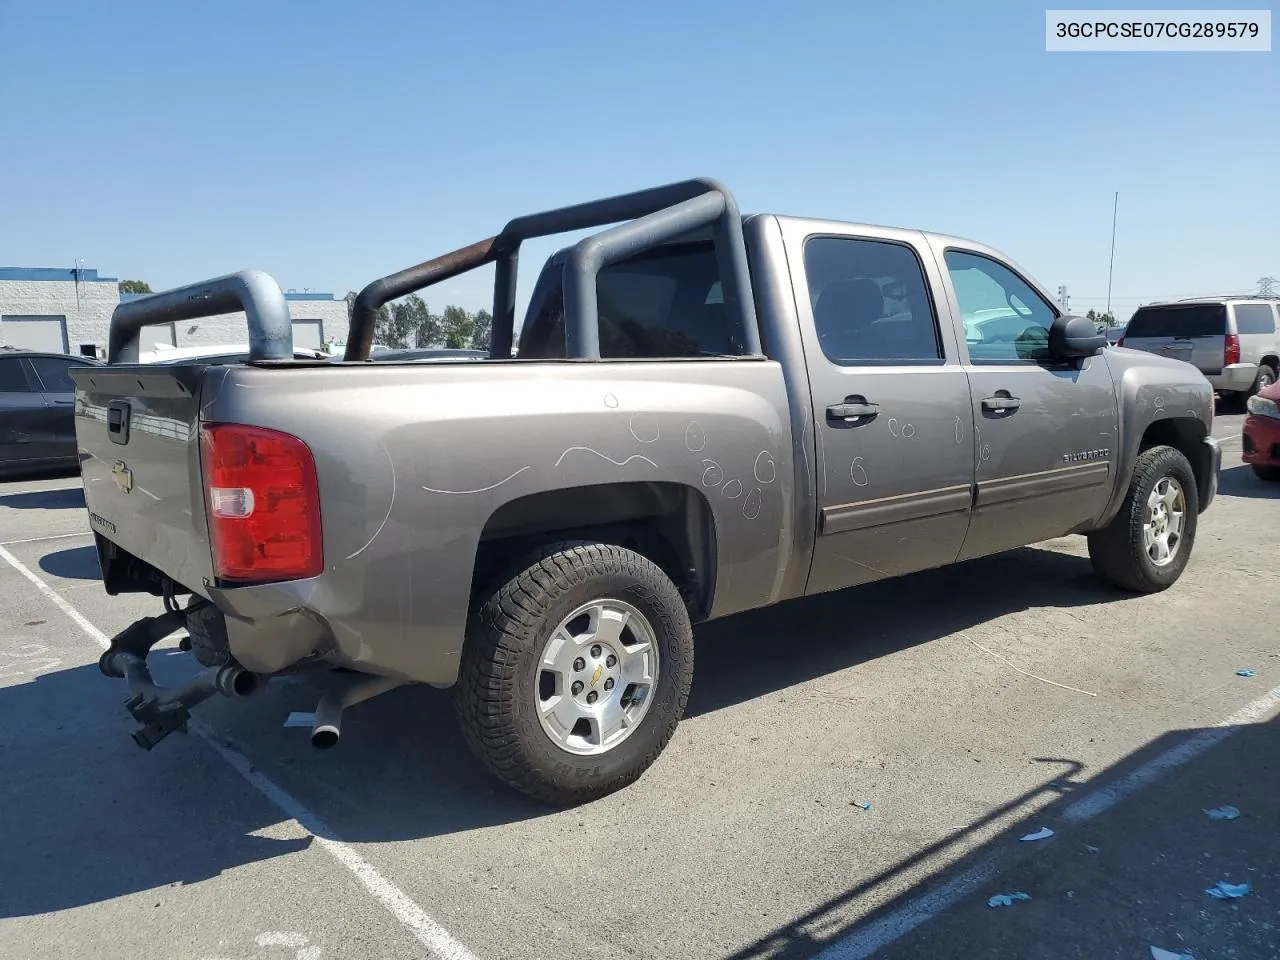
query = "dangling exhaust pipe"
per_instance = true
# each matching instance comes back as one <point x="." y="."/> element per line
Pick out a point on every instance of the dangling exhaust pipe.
<point x="326" y="725"/>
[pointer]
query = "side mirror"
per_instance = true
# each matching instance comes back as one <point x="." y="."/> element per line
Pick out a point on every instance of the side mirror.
<point x="1071" y="338"/>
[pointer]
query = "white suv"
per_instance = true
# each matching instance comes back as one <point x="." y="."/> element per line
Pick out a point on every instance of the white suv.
<point x="1231" y="340"/>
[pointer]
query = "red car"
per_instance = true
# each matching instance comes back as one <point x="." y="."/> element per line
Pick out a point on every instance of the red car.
<point x="1262" y="433"/>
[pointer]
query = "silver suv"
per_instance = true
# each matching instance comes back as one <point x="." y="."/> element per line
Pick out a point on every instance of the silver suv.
<point x="1231" y="340"/>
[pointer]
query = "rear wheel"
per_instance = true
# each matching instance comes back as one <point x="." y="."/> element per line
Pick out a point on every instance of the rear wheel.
<point x="1147" y="545"/>
<point x="576" y="671"/>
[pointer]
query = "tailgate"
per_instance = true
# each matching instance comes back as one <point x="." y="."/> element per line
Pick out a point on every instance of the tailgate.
<point x="137" y="429"/>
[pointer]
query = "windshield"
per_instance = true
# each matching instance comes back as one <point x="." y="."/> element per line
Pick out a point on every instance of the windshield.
<point x="1190" y="320"/>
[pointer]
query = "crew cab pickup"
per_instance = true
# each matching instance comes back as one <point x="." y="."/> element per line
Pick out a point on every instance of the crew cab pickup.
<point x="703" y="414"/>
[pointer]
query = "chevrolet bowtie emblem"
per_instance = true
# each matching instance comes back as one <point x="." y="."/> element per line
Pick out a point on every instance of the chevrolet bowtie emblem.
<point x="599" y="672"/>
<point x="122" y="476"/>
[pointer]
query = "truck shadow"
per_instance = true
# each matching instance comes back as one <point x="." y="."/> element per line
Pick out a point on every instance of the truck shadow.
<point x="85" y="816"/>
<point x="1129" y="863"/>
<point x="752" y="654"/>
<point x="74" y="563"/>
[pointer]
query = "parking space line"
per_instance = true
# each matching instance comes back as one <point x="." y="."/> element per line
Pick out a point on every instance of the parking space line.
<point x="865" y="940"/>
<point x="52" y="536"/>
<point x="439" y="942"/>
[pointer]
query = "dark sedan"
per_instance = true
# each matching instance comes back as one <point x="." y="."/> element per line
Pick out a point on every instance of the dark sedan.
<point x="37" y="410"/>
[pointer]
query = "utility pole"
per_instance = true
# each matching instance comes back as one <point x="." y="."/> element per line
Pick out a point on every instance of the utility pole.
<point x="1064" y="301"/>
<point x="1111" y="269"/>
<point x="1267" y="286"/>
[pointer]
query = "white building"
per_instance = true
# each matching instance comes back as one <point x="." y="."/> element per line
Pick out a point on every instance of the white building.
<point x="68" y="310"/>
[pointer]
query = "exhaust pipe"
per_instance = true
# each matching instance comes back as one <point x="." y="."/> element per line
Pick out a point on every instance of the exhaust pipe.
<point x="235" y="681"/>
<point x="326" y="724"/>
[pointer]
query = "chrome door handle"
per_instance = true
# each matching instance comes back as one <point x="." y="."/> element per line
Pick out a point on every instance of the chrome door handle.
<point x="852" y="410"/>
<point x="1000" y="404"/>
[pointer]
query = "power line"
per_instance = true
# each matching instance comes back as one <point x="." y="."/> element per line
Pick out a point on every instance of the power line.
<point x="1267" y="286"/>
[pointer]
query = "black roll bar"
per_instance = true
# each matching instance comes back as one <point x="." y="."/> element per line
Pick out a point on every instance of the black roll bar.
<point x="660" y="214"/>
<point x="254" y="292"/>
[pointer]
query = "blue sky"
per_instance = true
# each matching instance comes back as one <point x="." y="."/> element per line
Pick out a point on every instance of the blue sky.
<point x="329" y="143"/>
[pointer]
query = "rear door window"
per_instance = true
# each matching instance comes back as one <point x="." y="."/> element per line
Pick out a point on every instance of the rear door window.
<point x="1254" y="318"/>
<point x="53" y="374"/>
<point x="1179" y="321"/>
<point x="13" y="379"/>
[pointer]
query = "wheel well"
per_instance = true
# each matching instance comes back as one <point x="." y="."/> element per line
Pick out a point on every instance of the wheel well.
<point x="1272" y="361"/>
<point x="669" y="523"/>
<point x="1186" y="436"/>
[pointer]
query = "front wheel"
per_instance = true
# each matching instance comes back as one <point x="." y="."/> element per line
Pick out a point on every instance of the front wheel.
<point x="1147" y="545"/>
<point x="576" y="672"/>
<point x="1264" y="472"/>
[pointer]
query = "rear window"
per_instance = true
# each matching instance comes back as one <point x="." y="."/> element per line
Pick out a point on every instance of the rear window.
<point x="1254" y="318"/>
<point x="664" y="303"/>
<point x="1192" y="320"/>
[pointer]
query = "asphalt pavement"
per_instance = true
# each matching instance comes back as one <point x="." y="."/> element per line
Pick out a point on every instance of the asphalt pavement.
<point x="852" y="780"/>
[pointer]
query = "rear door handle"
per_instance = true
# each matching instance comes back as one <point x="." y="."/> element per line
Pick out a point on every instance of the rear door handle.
<point x="854" y="408"/>
<point x="1000" y="404"/>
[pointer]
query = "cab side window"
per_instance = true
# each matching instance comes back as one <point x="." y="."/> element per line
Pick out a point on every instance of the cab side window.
<point x="1005" y="320"/>
<point x="871" y="304"/>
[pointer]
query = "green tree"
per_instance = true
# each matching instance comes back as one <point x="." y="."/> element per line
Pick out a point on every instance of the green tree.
<point x="481" y="330"/>
<point x="457" y="327"/>
<point x="135" y="286"/>
<point x="1101" y="321"/>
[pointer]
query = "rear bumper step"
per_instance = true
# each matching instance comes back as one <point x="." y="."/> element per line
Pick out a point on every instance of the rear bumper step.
<point x="162" y="710"/>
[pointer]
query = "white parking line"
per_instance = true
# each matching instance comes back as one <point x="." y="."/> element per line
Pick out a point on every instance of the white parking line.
<point x="52" y="536"/>
<point x="438" y="941"/>
<point x="865" y="940"/>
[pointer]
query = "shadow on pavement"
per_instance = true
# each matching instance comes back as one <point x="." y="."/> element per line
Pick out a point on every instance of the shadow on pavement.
<point x="1241" y="481"/>
<point x="1110" y="884"/>
<point x="74" y="563"/>
<point x="743" y="657"/>
<point x="62" y="498"/>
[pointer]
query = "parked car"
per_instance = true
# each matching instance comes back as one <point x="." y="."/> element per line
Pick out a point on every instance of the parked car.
<point x="1231" y="340"/>
<point x="708" y="415"/>
<point x="37" y="410"/>
<point x="1261" y="433"/>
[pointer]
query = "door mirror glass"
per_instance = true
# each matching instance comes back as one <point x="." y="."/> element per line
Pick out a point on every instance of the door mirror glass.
<point x="1073" y="337"/>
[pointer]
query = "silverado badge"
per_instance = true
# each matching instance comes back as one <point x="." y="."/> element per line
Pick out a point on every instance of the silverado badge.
<point x="122" y="476"/>
<point x="1103" y="454"/>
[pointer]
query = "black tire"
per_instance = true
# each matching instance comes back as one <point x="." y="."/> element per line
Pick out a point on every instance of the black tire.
<point x="496" y="694"/>
<point x="1263" y="472"/>
<point x="1117" y="550"/>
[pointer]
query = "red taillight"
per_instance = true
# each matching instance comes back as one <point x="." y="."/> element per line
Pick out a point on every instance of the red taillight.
<point x="263" y="503"/>
<point x="1231" y="350"/>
